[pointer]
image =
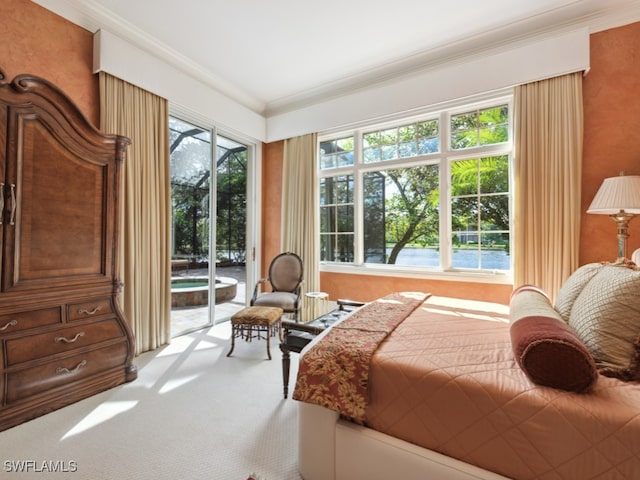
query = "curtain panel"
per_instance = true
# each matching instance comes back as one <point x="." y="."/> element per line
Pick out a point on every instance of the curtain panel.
<point x="300" y="211"/>
<point x="548" y="176"/>
<point x="145" y="260"/>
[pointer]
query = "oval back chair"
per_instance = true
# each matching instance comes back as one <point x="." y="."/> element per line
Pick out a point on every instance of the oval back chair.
<point x="285" y="277"/>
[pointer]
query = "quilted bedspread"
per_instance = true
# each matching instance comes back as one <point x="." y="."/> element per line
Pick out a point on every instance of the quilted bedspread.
<point x="335" y="372"/>
<point x="445" y="379"/>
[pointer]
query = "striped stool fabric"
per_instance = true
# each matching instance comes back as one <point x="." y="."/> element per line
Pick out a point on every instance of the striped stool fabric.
<point x="251" y="322"/>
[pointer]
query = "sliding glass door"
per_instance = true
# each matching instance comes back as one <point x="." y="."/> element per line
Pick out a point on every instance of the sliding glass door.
<point x="208" y="174"/>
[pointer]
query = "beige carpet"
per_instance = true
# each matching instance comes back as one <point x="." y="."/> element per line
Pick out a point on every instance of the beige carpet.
<point x="193" y="413"/>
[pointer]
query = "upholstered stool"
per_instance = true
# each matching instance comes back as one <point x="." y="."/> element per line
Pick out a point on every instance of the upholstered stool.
<point x="251" y="322"/>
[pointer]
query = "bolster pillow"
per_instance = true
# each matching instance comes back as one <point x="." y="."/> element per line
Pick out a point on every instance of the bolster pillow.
<point x="545" y="347"/>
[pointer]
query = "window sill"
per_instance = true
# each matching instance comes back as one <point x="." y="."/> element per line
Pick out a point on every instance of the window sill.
<point x="494" y="277"/>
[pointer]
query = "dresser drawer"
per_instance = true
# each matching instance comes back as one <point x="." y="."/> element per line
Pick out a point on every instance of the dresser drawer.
<point x="94" y="308"/>
<point x="23" y="349"/>
<point x="18" y="321"/>
<point x="31" y="381"/>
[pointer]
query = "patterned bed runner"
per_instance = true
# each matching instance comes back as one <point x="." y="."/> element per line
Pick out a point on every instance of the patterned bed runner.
<point x="334" y="373"/>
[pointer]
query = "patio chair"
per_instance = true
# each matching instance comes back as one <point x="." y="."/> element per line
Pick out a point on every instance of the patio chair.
<point x="285" y="278"/>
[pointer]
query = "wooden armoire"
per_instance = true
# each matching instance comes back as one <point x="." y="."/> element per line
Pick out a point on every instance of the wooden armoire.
<point x="63" y="336"/>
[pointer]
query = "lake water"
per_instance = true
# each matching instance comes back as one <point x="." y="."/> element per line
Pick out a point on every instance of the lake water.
<point x="462" y="258"/>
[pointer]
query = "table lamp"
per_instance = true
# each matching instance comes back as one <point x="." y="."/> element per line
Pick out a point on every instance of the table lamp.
<point x="618" y="197"/>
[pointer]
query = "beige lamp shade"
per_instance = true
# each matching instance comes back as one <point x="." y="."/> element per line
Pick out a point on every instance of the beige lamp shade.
<point x="617" y="193"/>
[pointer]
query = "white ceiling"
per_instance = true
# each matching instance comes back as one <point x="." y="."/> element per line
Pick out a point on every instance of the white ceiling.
<point x="273" y="56"/>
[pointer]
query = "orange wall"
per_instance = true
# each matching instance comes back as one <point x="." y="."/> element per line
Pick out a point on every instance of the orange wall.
<point x="33" y="40"/>
<point x="611" y="92"/>
<point x="369" y="287"/>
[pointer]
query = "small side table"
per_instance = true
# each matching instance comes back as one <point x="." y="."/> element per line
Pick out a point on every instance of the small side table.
<point x="296" y="336"/>
<point x="319" y="303"/>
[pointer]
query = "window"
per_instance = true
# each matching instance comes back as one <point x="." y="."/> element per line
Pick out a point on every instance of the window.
<point x="431" y="193"/>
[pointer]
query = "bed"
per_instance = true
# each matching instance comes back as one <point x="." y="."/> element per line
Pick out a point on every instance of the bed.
<point x="445" y="395"/>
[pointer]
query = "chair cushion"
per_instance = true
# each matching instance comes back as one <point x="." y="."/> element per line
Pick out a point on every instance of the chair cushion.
<point x="545" y="347"/>
<point x="257" y="316"/>
<point x="284" y="300"/>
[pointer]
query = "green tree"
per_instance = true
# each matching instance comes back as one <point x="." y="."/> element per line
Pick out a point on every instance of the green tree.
<point x="485" y="179"/>
<point x="231" y="204"/>
<point x="412" y="211"/>
<point x="479" y="187"/>
<point x="189" y="191"/>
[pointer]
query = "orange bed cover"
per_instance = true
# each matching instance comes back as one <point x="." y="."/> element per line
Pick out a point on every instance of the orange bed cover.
<point x="446" y="379"/>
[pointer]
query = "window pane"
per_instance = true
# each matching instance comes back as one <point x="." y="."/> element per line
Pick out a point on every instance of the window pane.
<point x="428" y="129"/>
<point x="407" y="149"/>
<point x="371" y="154"/>
<point x="480" y="127"/>
<point x="401" y="216"/>
<point x="389" y="137"/>
<point x="495" y="251"/>
<point x="428" y="145"/>
<point x="403" y="142"/>
<point x="464" y="177"/>
<point x="336" y="153"/>
<point x="389" y="152"/>
<point x="407" y="133"/>
<point x="345" y="218"/>
<point x="371" y="140"/>
<point x="464" y="213"/>
<point x="491" y="135"/>
<point x="336" y="190"/>
<point x="466" y="257"/>
<point x="494" y="174"/>
<point x="494" y="116"/>
<point x="336" y="218"/>
<point x="374" y="217"/>
<point x="464" y="139"/>
<point x="324" y="194"/>
<point x="343" y="191"/>
<point x="480" y="213"/>
<point x="325" y="218"/>
<point x="494" y="212"/>
<point x="336" y="248"/>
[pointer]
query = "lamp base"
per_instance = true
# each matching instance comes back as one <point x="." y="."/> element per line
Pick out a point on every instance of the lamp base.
<point x="622" y="220"/>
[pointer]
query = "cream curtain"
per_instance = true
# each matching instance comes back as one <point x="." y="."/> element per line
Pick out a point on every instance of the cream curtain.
<point x="145" y="260"/>
<point x="300" y="210"/>
<point x="548" y="175"/>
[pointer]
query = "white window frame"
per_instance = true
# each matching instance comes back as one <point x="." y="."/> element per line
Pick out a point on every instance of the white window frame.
<point x="444" y="158"/>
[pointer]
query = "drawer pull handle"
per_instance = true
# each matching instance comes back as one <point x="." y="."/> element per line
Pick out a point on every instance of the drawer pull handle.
<point x="11" y="323"/>
<point x="1" y="202"/>
<point x="63" y="370"/>
<point x="84" y="311"/>
<point x="69" y="340"/>
<point x="12" y="220"/>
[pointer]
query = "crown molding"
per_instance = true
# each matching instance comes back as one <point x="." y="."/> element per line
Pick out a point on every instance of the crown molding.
<point x="92" y="16"/>
<point x="523" y="31"/>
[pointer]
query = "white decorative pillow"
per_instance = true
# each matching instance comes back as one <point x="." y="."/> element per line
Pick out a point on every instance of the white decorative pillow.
<point x="572" y="287"/>
<point x="606" y="317"/>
